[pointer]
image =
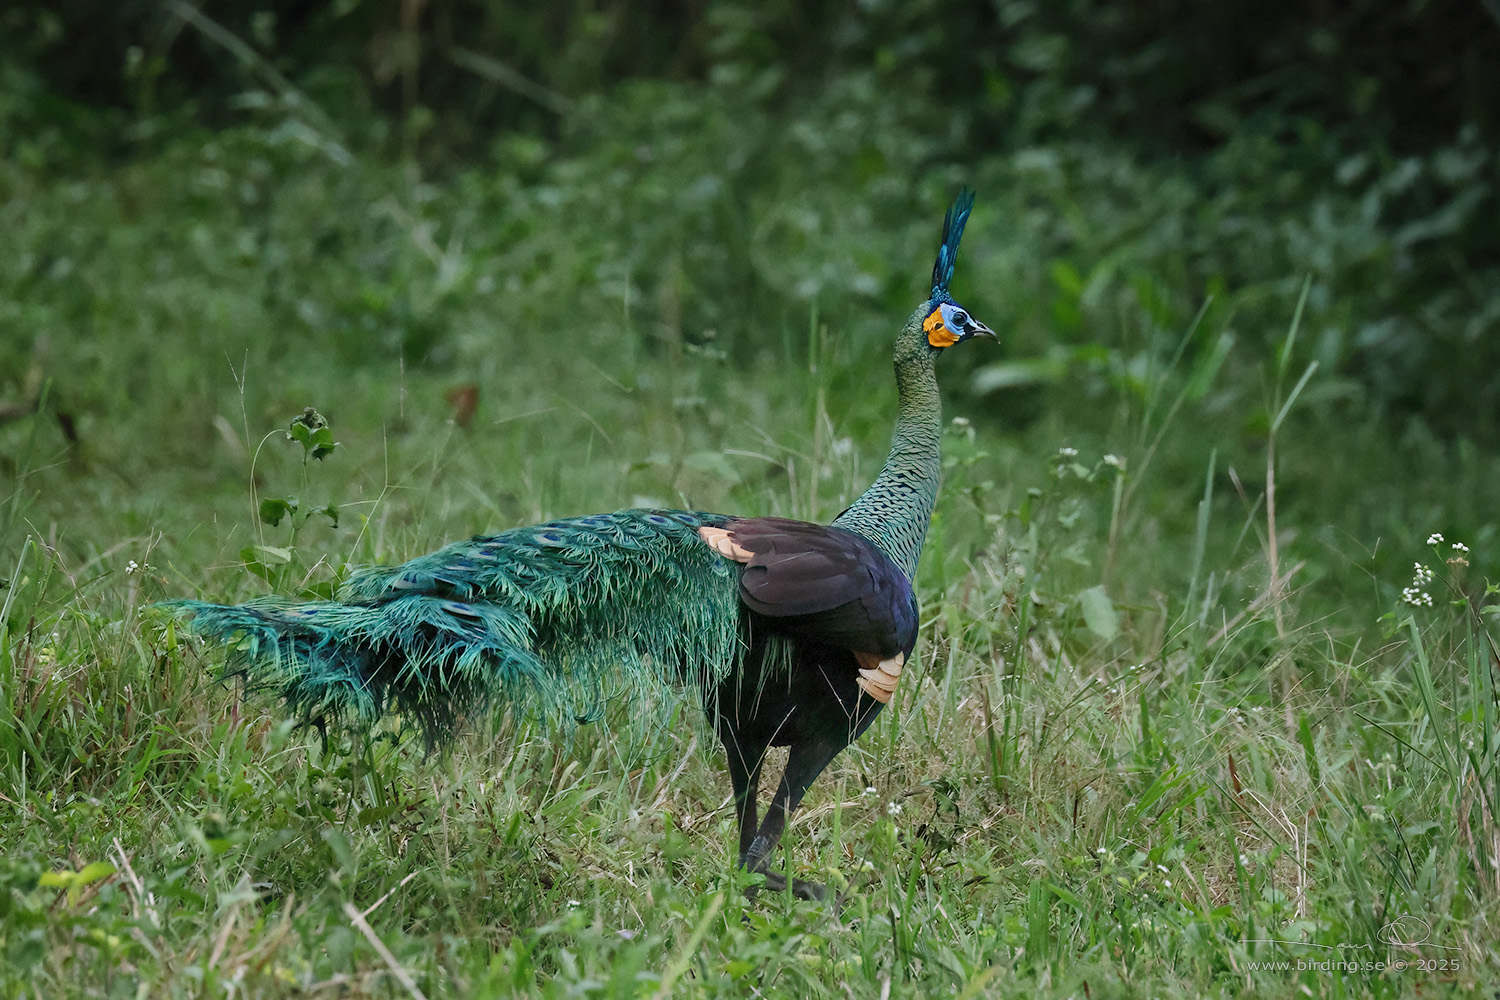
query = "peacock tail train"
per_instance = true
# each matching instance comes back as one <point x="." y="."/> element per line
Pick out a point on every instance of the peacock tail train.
<point x="553" y="620"/>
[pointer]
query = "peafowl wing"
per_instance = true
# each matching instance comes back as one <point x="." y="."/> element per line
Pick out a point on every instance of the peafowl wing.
<point x="820" y="584"/>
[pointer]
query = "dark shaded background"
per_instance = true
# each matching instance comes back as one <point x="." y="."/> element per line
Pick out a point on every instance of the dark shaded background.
<point x="1269" y="106"/>
<point x="1176" y="75"/>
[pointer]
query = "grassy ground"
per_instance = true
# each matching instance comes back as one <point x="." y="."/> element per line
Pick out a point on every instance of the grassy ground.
<point x="1174" y="731"/>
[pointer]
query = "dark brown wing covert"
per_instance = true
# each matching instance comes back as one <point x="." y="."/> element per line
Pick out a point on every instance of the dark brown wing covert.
<point x="822" y="583"/>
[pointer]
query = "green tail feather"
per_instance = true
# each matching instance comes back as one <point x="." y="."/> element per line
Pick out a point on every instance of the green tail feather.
<point x="554" y="620"/>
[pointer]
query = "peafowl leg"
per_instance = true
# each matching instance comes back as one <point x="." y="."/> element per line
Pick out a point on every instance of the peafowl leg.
<point x="805" y="762"/>
<point x="744" y="778"/>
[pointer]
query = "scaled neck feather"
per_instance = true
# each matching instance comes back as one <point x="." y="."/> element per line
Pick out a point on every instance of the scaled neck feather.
<point x="894" y="512"/>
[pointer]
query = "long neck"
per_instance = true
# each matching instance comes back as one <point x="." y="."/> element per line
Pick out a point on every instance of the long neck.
<point x="894" y="512"/>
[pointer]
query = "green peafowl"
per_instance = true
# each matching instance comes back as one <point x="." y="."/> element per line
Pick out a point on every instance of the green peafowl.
<point x="794" y="634"/>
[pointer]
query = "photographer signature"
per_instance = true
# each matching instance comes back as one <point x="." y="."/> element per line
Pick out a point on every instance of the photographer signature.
<point x="1405" y="931"/>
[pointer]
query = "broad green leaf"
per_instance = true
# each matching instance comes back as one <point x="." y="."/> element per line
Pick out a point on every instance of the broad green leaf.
<point x="94" y="872"/>
<point x="312" y="432"/>
<point x="273" y="509"/>
<point x="1099" y="613"/>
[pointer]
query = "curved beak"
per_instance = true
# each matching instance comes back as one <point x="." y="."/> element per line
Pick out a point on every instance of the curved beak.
<point x="978" y="329"/>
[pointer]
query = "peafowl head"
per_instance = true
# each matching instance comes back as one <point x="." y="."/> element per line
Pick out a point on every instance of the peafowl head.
<point x="940" y="322"/>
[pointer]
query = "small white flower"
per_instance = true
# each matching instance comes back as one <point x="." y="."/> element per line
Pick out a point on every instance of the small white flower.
<point x="1066" y="452"/>
<point x="1162" y="869"/>
<point x="1114" y="460"/>
<point x="1167" y="882"/>
<point x="1101" y="850"/>
<point x="869" y="790"/>
<point x="1244" y="860"/>
<point x="573" y="902"/>
<point x="131" y="567"/>
<point x="893" y="809"/>
<point x="960" y="421"/>
<point x="1416" y="597"/>
<point x="1435" y="538"/>
<point x="1460" y="547"/>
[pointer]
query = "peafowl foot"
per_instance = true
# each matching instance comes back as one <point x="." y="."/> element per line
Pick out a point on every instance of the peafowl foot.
<point x="776" y="882"/>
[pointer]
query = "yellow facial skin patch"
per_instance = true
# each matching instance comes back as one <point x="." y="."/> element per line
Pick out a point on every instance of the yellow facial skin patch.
<point x="938" y="334"/>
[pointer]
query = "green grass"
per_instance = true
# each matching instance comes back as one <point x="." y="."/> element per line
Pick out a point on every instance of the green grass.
<point x="1164" y="737"/>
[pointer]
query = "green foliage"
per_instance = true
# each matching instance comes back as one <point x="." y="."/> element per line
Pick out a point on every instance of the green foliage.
<point x="275" y="563"/>
<point x="1157" y="736"/>
<point x="312" y="432"/>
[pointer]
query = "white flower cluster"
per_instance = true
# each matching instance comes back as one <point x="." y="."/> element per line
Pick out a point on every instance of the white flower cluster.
<point x="1416" y="598"/>
<point x="1417" y="595"/>
<point x="1066" y="462"/>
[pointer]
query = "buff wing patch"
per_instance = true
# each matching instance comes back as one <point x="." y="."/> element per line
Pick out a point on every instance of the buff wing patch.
<point x="877" y="677"/>
<point x="718" y="539"/>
